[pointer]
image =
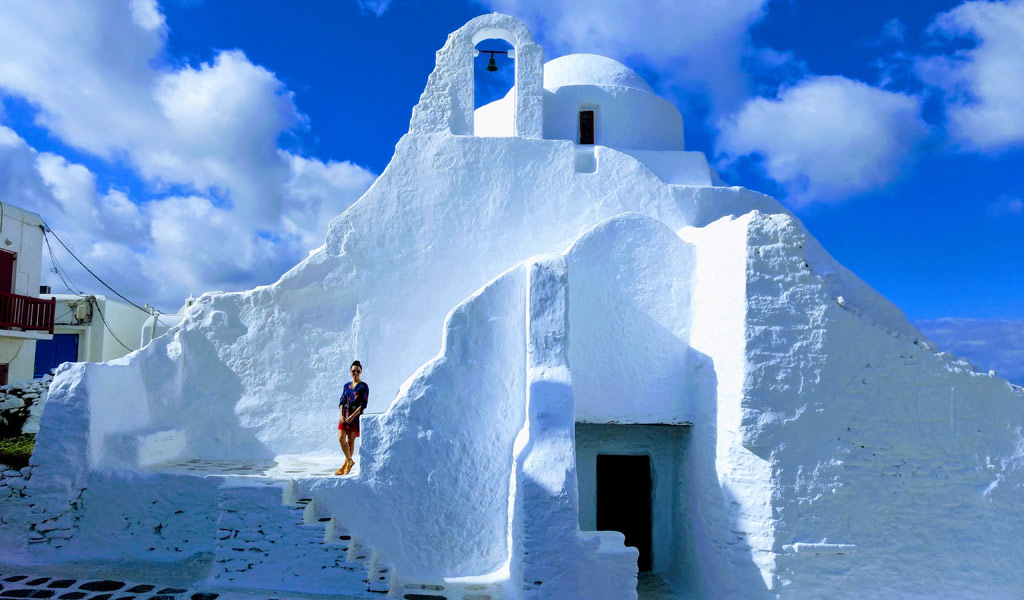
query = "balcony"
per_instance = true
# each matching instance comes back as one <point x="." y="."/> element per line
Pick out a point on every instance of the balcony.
<point x="26" y="313"/>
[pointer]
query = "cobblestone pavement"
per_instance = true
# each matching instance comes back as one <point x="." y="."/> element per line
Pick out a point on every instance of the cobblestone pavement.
<point x="61" y="588"/>
<point x="33" y="586"/>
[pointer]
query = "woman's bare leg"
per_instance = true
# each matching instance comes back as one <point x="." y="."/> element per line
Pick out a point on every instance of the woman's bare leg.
<point x="351" y="448"/>
<point x="344" y="448"/>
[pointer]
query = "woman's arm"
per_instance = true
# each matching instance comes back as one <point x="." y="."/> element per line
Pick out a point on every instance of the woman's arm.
<point x="354" y="415"/>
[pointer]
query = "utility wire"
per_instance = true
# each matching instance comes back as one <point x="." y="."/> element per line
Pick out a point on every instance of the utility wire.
<point x="96" y="305"/>
<point x="47" y="229"/>
<point x="62" y="316"/>
<point x="61" y="273"/>
<point x="66" y="279"/>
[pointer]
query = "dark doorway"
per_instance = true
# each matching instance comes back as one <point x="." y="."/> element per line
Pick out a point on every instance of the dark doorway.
<point x="624" y="501"/>
<point x="7" y="272"/>
<point x="50" y="353"/>
<point x="586" y="127"/>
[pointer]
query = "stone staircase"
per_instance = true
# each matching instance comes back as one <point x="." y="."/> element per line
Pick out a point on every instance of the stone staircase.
<point x="271" y="538"/>
<point x="268" y="541"/>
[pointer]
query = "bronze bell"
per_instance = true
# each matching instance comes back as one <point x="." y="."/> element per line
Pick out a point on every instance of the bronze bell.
<point x="491" y="65"/>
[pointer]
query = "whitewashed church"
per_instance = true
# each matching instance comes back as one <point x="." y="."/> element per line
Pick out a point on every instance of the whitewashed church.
<point x="593" y="368"/>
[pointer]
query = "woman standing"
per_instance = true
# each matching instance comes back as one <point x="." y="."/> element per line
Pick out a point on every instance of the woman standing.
<point x="352" y="404"/>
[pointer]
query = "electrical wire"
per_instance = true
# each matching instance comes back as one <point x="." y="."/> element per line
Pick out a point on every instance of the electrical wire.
<point x="61" y="273"/>
<point x="66" y="279"/>
<point x="96" y="305"/>
<point x="62" y="316"/>
<point x="47" y="229"/>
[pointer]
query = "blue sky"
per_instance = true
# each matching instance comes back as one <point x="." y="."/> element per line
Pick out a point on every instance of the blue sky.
<point x="194" y="145"/>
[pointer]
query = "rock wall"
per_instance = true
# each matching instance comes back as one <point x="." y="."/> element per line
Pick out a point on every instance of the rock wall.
<point x="21" y="405"/>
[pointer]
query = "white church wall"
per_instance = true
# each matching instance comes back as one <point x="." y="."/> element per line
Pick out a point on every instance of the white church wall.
<point x="676" y="167"/>
<point x="892" y="467"/>
<point x="551" y="556"/>
<point x="630" y="324"/>
<point x="623" y="117"/>
<point x="726" y="485"/>
<point x="496" y="119"/>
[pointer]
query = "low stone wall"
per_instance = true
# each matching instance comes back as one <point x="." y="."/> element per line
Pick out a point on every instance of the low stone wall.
<point x="21" y="405"/>
<point x="13" y="481"/>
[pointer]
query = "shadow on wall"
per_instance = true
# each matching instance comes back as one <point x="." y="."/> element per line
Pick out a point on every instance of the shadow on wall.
<point x="722" y="561"/>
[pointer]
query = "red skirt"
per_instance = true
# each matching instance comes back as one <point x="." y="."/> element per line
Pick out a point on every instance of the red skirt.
<point x="350" y="427"/>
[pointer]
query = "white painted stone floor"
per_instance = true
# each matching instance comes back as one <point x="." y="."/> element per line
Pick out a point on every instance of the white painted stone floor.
<point x="283" y="467"/>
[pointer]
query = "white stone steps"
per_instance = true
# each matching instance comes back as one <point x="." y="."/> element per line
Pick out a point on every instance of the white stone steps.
<point x="265" y="544"/>
<point x="380" y="578"/>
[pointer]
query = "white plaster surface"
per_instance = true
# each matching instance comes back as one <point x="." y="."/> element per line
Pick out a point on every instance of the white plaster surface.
<point x="627" y="114"/>
<point x="497" y="291"/>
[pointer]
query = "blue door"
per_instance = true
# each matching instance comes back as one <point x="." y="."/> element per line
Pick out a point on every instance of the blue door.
<point x="50" y="353"/>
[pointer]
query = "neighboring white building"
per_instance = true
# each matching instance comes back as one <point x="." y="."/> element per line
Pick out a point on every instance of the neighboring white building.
<point x="567" y="328"/>
<point x="160" y="323"/>
<point x="24" y="316"/>
<point x="89" y="329"/>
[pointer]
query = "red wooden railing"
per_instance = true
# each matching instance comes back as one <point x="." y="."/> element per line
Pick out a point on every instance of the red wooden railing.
<point x="26" y="312"/>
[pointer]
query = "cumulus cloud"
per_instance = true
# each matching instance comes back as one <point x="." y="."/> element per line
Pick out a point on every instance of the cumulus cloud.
<point x="162" y="249"/>
<point x="242" y="211"/>
<point x="692" y="43"/>
<point x="214" y="127"/>
<point x="87" y="66"/>
<point x="826" y="138"/>
<point x="989" y="344"/>
<point x="983" y="84"/>
<point x="222" y="125"/>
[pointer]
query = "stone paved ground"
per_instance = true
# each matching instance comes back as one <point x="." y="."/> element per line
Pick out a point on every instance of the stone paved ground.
<point x="62" y="588"/>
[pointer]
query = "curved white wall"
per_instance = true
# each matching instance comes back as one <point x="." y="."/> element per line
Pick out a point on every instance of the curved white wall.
<point x="626" y="118"/>
<point x="623" y="117"/>
<point x="629" y="324"/>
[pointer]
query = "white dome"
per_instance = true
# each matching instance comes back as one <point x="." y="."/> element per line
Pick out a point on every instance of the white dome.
<point x="590" y="69"/>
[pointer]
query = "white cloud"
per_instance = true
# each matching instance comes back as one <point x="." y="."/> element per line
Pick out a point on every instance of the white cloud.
<point x="827" y="137"/>
<point x="318" y="192"/>
<point x="20" y="182"/>
<point x="984" y="85"/>
<point x="222" y="124"/>
<point x="87" y="66"/>
<point x="989" y="344"/>
<point x="691" y="43"/>
<point x="99" y="78"/>
<point x="377" y="7"/>
<point x="161" y="250"/>
<point x="213" y="127"/>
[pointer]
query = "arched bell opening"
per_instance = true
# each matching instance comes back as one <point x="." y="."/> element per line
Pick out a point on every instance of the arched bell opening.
<point x="447" y="103"/>
<point x="494" y="77"/>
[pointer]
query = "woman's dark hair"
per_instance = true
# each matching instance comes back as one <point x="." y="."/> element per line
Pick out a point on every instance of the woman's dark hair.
<point x="355" y="363"/>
